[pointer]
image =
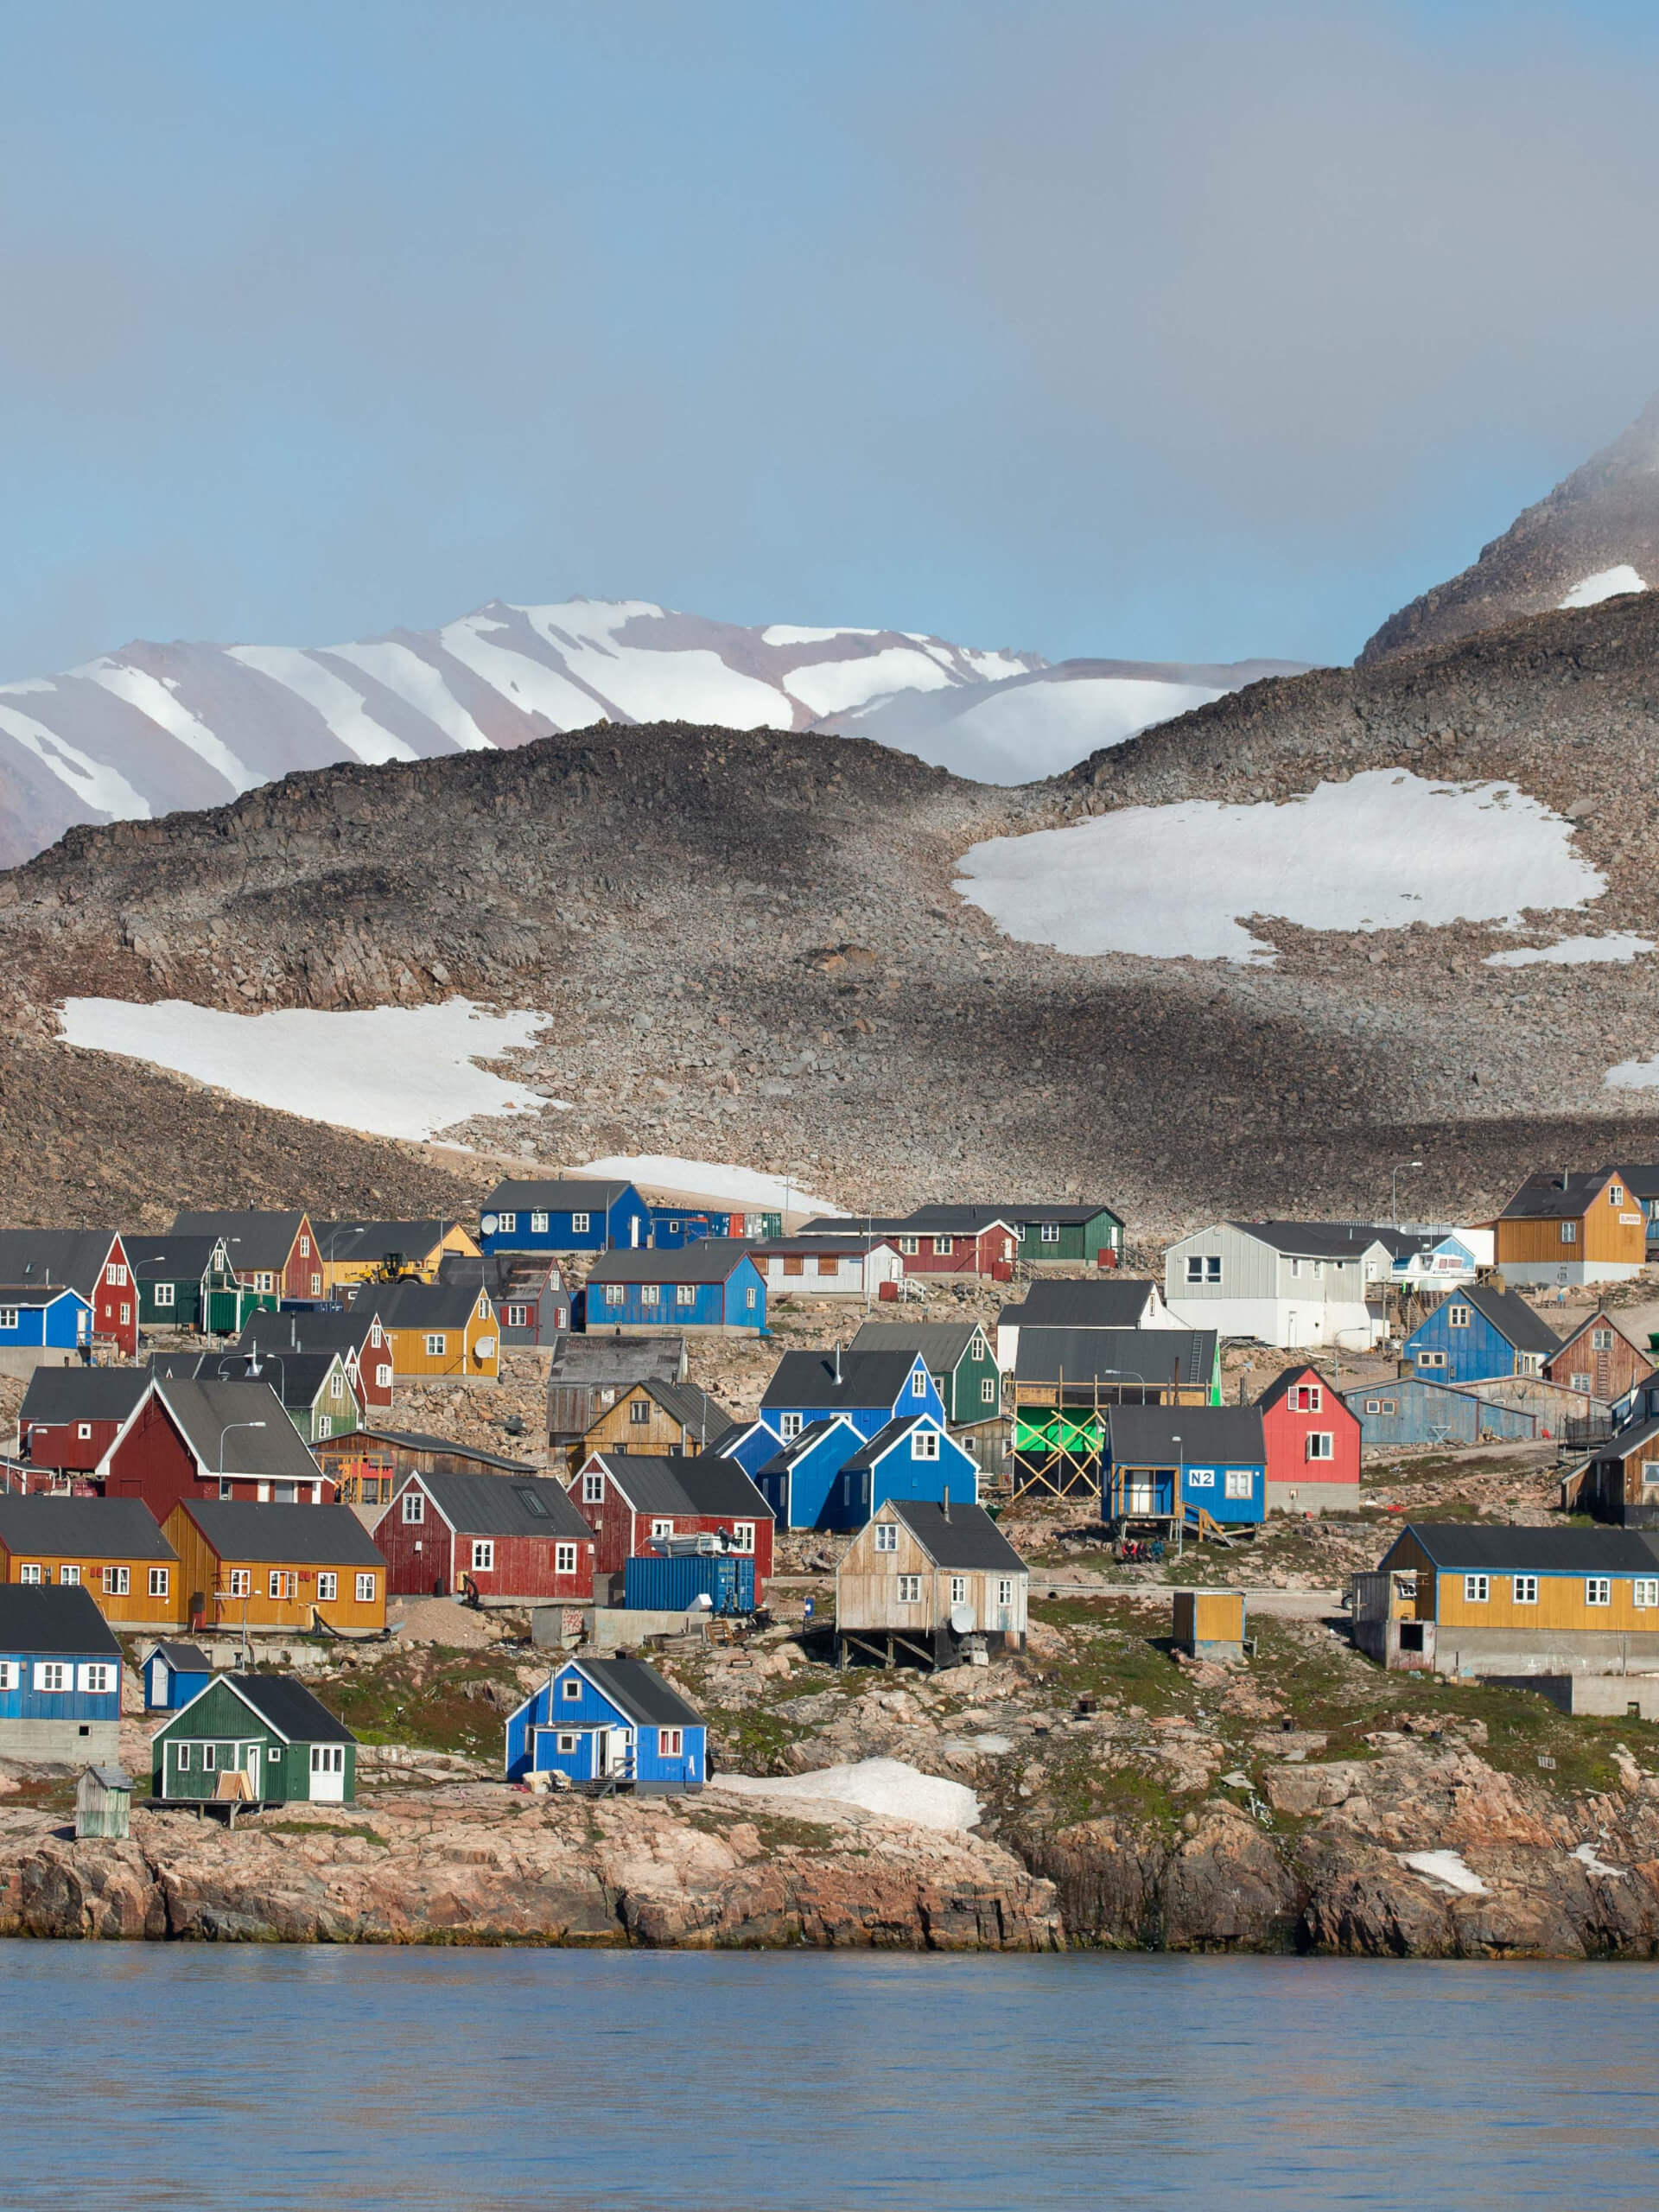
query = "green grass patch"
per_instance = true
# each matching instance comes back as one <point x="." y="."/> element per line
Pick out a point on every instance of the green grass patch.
<point x="323" y="1827"/>
<point x="419" y="1698"/>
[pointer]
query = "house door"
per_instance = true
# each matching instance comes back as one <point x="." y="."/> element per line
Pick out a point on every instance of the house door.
<point x="1293" y="1327"/>
<point x="601" y="1752"/>
<point x="1140" y="1494"/>
<point x="327" y="1774"/>
<point x="633" y="1227"/>
<point x="249" y="1762"/>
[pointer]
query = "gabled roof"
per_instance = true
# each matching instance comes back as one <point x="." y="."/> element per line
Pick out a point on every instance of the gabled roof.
<point x="1510" y="1315"/>
<point x="86" y="1528"/>
<point x="284" y="1703"/>
<point x="885" y="1438"/>
<point x="711" y="1259"/>
<point x="486" y="1506"/>
<point x="1468" y="1544"/>
<point x="504" y="1274"/>
<point x="35" y="1294"/>
<point x="604" y="1363"/>
<point x="714" y="1486"/>
<point x="638" y="1691"/>
<point x="1641" y="1182"/>
<point x="60" y="1394"/>
<point x="1024" y="1212"/>
<point x="1559" y="1196"/>
<point x="557" y="1195"/>
<point x="46" y="1619"/>
<point x="1318" y="1240"/>
<point x="170" y="1259"/>
<point x="1110" y="1301"/>
<point x="841" y="1226"/>
<point x="299" y="1376"/>
<point x="75" y="1256"/>
<point x="414" y="1440"/>
<point x="1186" y="1436"/>
<point x="327" y="1536"/>
<point x="1279" y="1386"/>
<point x="645" y="1480"/>
<point x="306" y="1330"/>
<point x="1157" y="1357"/>
<point x="809" y="1243"/>
<point x="868" y="1380"/>
<point x="942" y="1345"/>
<point x="1631" y="1438"/>
<point x="213" y="1417"/>
<point x="355" y="1242"/>
<point x="183" y="1658"/>
<point x="253" y="1239"/>
<point x="419" y="1305"/>
<point x="698" y="1413"/>
<point x="1601" y="1319"/>
<point x="969" y="1540"/>
<point x="808" y="1440"/>
<point x="959" y="1221"/>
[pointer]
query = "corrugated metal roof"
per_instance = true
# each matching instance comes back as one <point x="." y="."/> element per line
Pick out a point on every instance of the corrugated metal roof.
<point x="54" y="1619"/>
<point x="1545" y="1196"/>
<point x="941" y="1344"/>
<point x="58" y="1393"/>
<point x="640" y="1692"/>
<point x="712" y="1259"/>
<point x="292" y="1710"/>
<point x="492" y="1505"/>
<point x="1511" y="1315"/>
<point x="214" y="1420"/>
<point x="326" y="1536"/>
<point x="1103" y="1302"/>
<point x="868" y="1379"/>
<point x="253" y="1239"/>
<point x="1157" y="1357"/>
<point x="1315" y="1240"/>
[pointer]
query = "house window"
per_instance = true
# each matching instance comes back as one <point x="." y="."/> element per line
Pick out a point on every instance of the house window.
<point x="1580" y="1382"/>
<point x="565" y="1559"/>
<point x="325" y="1425"/>
<point x="506" y="1222"/>
<point x="327" y="1589"/>
<point x="1321" y="1444"/>
<point x="580" y="1224"/>
<point x="829" y="1263"/>
<point x="918" y="1383"/>
<point x="1239" y="1481"/>
<point x="1049" y="1233"/>
<point x="118" y="1582"/>
<point x="887" y="1536"/>
<point x="241" y="1582"/>
<point x="686" y="1294"/>
<point x="336" y="1384"/>
<point x="29" y="1575"/>
<point x="650" y="1294"/>
<point x="942" y="1247"/>
<point x="570" y="1688"/>
<point x="162" y="1292"/>
<point x="383" y="1378"/>
<point x="11" y="1673"/>
<point x="1309" y="1398"/>
<point x="567" y="1739"/>
<point x="613" y="1294"/>
<point x="1526" y="1589"/>
<point x="1569" y="1232"/>
<point x="51" y="1675"/>
<point x="910" y="1246"/>
<point x="7" y="1317"/>
<point x="1601" y="1340"/>
<point x="116" y="1274"/>
<point x="1597" y="1590"/>
<point x="517" y="1317"/>
<point x="284" y="1585"/>
<point x="97" y="1679"/>
<point x="316" y="1285"/>
<point x="436" y="1344"/>
<point x="794" y="1264"/>
<point x="1476" y="1589"/>
<point x="538" y="1225"/>
<point x="743" y="1534"/>
<point x="305" y="1248"/>
<point x="1644" y="1592"/>
<point x="1458" y="1317"/>
<point x="593" y="1490"/>
<point x="1530" y="1362"/>
<point x="1373" y="1405"/>
<point x="1431" y="1359"/>
<point x="209" y="1757"/>
<point x="789" y="1427"/>
<point x="1005" y="1589"/>
<point x="1615" y="1194"/>
<point x="84" y="1431"/>
<point x="265" y="1282"/>
<point x="671" y="1743"/>
<point x="1390" y="1406"/>
<point x="959" y="1589"/>
<point x="328" y="1759"/>
<point x="748" y="1298"/>
<point x="158" y="1582"/>
<point x="365" y="1589"/>
<point x="660" y="1529"/>
<point x="69" y="1575"/>
<point x="414" y="1507"/>
<point x="910" y="1589"/>
<point x="483" y="1555"/>
<point x="126" y="1315"/>
<point x="639" y="1412"/>
<point x="1651" y="1474"/>
<point x="924" y="1444"/>
<point x="988" y="1390"/>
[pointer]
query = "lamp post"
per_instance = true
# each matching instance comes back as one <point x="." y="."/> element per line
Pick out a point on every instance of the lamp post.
<point x="1400" y="1167"/>
<point x="224" y="1433"/>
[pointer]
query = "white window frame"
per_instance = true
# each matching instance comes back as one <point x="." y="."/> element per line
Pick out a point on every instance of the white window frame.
<point x="413" y="1507"/>
<point x="570" y="1690"/>
<point x="924" y="1444"/>
<point x="1526" y="1589"/>
<point x="1644" y="1592"/>
<point x="84" y="1431"/>
<point x="1569" y="1232"/>
<point x="887" y="1535"/>
<point x="8" y="1317"/>
<point x="918" y="1383"/>
<point x="616" y="1292"/>
<point x="1581" y="1383"/>
<point x="686" y="1294"/>
<point x="160" y="1581"/>
<point x="661" y="1528"/>
<point x="241" y="1582"/>
<point x="118" y="1582"/>
<point x="1476" y="1589"/>
<point x="1458" y="1316"/>
<point x="163" y="1294"/>
<point x="671" y="1743"/>
<point x="959" y="1589"/>
<point x="1431" y="1359"/>
<point x="435" y="1344"/>
<point x="790" y="1426"/>
<point x="593" y="1490"/>
<point x="1601" y="1340"/>
<point x="910" y="1246"/>
<point x="565" y="1559"/>
<point x="743" y="1537"/>
<point x="368" y="1587"/>
<point x="327" y="1588"/>
<point x="650" y="1293"/>
<point x="97" y="1678"/>
<point x="383" y="1376"/>
<point x="284" y="1586"/>
<point x="53" y="1677"/>
<point x="537" y="1223"/>
<point x="1238" y="1482"/>
<point x="910" y="1590"/>
<point x="483" y="1555"/>
<point x="506" y="1223"/>
<point x="580" y="1225"/>
<point x="69" y="1574"/>
<point x="11" y="1674"/>
<point x="1049" y="1233"/>
<point x="30" y="1574"/>
<point x="1597" y="1590"/>
<point x="569" y="1740"/>
<point x="1321" y="1444"/>
<point x="988" y="1389"/>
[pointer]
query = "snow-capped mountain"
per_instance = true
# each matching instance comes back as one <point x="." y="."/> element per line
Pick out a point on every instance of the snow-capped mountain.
<point x="153" y="728"/>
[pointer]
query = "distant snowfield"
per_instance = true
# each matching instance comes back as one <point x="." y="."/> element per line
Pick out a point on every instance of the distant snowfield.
<point x="389" y="1071"/>
<point x="1606" y="583"/>
<point x="1633" y="1075"/>
<point x="709" y="1179"/>
<point x="1382" y="851"/>
<point x="1570" y="952"/>
<point x="1024" y="729"/>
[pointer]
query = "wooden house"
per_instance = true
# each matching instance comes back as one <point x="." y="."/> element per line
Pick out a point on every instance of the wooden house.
<point x="587" y="1376"/>
<point x="1406" y="1410"/>
<point x="1182" y="1466"/>
<point x="360" y="1338"/>
<point x="493" y="1541"/>
<point x="1291" y="1284"/>
<point x="109" y="1546"/>
<point x="354" y="1252"/>
<point x="48" y="1319"/>
<point x="564" y="1214"/>
<point x="653" y="1417"/>
<point x="103" y="1803"/>
<point x="1620" y="1482"/>
<point x="270" y="1730"/>
<point x="1573" y="1229"/>
<point x="1066" y="1302"/>
<point x="964" y="1371"/>
<point x="210" y="1440"/>
<point x="862" y="1266"/>
<point x="1483" y="1599"/>
<point x="188" y="1282"/>
<point x="272" y="1254"/>
<point x="1643" y="1184"/>
<point x="530" y="1294"/>
<point x="1209" y="1624"/>
<point x="615" y="1723"/>
<point x="316" y="1390"/>
<point x="831" y="1477"/>
<point x="924" y="1577"/>
<point x="60" y="1676"/>
<point x="869" y="1389"/>
<point x="712" y="1287"/>
<point x="1313" y="1438"/>
<point x="71" y="1415"/>
<point x="965" y="1242"/>
<point x="1477" y="1334"/>
<point x="91" y="1262"/>
<point x="1066" y="1382"/>
<point x="1089" y="1235"/>
<point x="172" y="1674"/>
<point x="436" y="1329"/>
<point x="632" y="1502"/>
<point x="369" y="1464"/>
<point x="277" y="1569"/>
<point x="1600" y="1359"/>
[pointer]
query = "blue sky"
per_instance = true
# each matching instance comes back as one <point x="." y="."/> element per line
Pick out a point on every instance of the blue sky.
<point x="1196" y="332"/>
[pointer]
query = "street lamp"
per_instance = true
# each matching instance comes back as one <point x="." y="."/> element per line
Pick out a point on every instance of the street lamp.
<point x="1400" y="1167"/>
<point x="223" y="1434"/>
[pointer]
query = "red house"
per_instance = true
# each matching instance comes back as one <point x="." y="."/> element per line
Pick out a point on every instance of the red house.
<point x="71" y="1415"/>
<point x="1312" y="1444"/>
<point x="270" y="1252"/>
<point x="488" y="1535"/>
<point x="938" y="1240"/>
<point x="189" y="1439"/>
<point x="630" y="1500"/>
<point x="92" y="1261"/>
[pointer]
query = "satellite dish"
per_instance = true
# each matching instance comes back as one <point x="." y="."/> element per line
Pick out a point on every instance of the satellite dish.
<point x="962" y="1620"/>
<point x="489" y="1225"/>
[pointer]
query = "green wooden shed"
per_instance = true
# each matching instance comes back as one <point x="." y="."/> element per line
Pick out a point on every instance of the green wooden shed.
<point x="1091" y="1234"/>
<point x="267" y="1727"/>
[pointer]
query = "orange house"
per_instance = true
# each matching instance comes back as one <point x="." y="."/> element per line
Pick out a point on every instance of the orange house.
<point x="1572" y="1228"/>
<point x="111" y="1547"/>
<point x="277" y="1569"/>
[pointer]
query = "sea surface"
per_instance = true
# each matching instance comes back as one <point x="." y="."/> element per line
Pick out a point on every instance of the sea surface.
<point x="135" y="2075"/>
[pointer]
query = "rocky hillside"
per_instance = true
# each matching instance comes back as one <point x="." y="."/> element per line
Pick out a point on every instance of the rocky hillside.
<point x="1596" y="534"/>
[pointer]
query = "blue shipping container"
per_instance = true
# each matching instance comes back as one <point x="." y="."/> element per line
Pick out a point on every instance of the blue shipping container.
<point x="673" y="1585"/>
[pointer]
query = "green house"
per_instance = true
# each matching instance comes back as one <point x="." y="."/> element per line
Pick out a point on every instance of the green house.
<point x="315" y="1390"/>
<point x="964" y="1367"/>
<point x="188" y="1282"/>
<point x="1076" y="1233"/>
<point x="268" y="1729"/>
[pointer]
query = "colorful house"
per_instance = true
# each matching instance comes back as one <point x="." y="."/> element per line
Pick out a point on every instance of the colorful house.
<point x="188" y="1282"/>
<point x="1099" y="1302"/>
<point x="588" y="1375"/>
<point x="71" y="1415"/>
<point x="316" y="1387"/>
<point x="109" y="1546"/>
<point x="866" y="1389"/>
<point x="963" y="1367"/>
<point x="1065" y="1236"/>
<point x="259" y="1739"/>
<point x="1172" y="1464"/>
<point x="436" y="1329"/>
<point x="355" y="1252"/>
<point x="713" y="1286"/>
<point x="369" y="1464"/>
<point x="1312" y="1440"/>
<point x="92" y="1262"/>
<point x="1406" y="1410"/>
<point x="210" y="1440"/>
<point x="658" y="1418"/>
<point x="272" y="1254"/>
<point x="1599" y="1359"/>
<point x="911" y="1458"/>
<point x="673" y="1226"/>
<point x="632" y="1502"/>
<point x="862" y="1266"/>
<point x="564" y="1214"/>
<point x="922" y="1578"/>
<point x="277" y="1569"/>
<point x="972" y="1240"/>
<point x="497" y="1539"/>
<point x="615" y="1723"/>
<point x="1573" y="1229"/>
<point x="360" y="1338"/>
<point x="44" y="1317"/>
<point x="60" y="1676"/>
<point x="1066" y="1382"/>
<point x="1477" y="1334"/>
<point x="1620" y="1482"/>
<point x="530" y="1294"/>
<point x="173" y="1674"/>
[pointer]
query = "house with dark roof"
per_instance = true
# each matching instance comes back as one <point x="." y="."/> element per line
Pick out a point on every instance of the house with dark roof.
<point x="1601" y="1358"/>
<point x="314" y="1387"/>
<point x="92" y="1262"/>
<point x="862" y="1266"/>
<point x="436" y="1329"/>
<point x="965" y="1240"/>
<point x="71" y="1415"/>
<point x="1643" y="1184"/>
<point x="911" y="1457"/>
<point x="1066" y="1381"/>
<point x="588" y="1374"/>
<point x="1570" y="1228"/>
<point x="206" y="1438"/>
<point x="657" y="1417"/>
<point x="528" y="1291"/>
<point x="1313" y="1438"/>
<point x="43" y="1324"/>
<point x="358" y="1251"/>
<point x="369" y="1464"/>
<point x="1461" y="1597"/>
<point x="611" y="1723"/>
<point x="564" y="1214"/>
<point x="172" y="1673"/>
<point x="277" y="1569"/>
<point x="923" y="1577"/>
<point x="60" y="1676"/>
<point x="494" y="1540"/>
<point x="1172" y="1464"/>
<point x="712" y="1286"/>
<point x="1479" y="1332"/>
<point x="254" y="1739"/>
<point x="633" y="1503"/>
<point x="188" y="1282"/>
<point x="109" y="1546"/>
<point x="869" y="1387"/>
<point x="1110" y="1301"/>
<point x="274" y="1253"/>
<point x="1286" y="1283"/>
<point x="360" y="1338"/>
<point x="963" y="1367"/>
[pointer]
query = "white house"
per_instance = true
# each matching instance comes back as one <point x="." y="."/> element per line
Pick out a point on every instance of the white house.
<point x="1285" y="1283"/>
<point x="827" y="1266"/>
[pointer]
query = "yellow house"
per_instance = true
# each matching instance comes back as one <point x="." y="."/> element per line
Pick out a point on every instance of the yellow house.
<point x="354" y="1252"/>
<point x="436" y="1329"/>
<point x="278" y="1569"/>
<point x="1572" y="1228"/>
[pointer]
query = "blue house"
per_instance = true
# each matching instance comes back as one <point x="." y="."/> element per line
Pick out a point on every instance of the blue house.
<point x="911" y="1458"/>
<point x="797" y="1477"/>
<point x="564" y="1216"/>
<point x="51" y="1315"/>
<point x="60" y="1676"/>
<point x="869" y="1388"/>
<point x="1479" y="1333"/>
<point x="1170" y="1463"/>
<point x="710" y="1285"/>
<point x="1408" y="1410"/>
<point x="610" y="1721"/>
<point x="174" y="1674"/>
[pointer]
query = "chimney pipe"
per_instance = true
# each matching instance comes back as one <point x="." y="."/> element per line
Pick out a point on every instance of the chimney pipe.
<point x="837" y="1365"/>
<point x="947" y="1501"/>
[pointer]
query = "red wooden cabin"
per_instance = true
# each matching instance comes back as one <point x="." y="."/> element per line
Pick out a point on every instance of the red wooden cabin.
<point x="92" y="1261"/>
<point x="1312" y="1442"/>
<point x="629" y="1500"/>
<point x="189" y="1439"/>
<point x="507" y="1540"/>
<point x="71" y="1415"/>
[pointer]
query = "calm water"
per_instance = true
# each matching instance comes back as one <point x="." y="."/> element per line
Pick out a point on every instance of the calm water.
<point x="139" y="2076"/>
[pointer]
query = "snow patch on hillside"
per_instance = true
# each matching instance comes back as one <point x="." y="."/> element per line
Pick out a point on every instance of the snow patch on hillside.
<point x="1606" y="583"/>
<point x="1570" y="952"/>
<point x="1176" y="882"/>
<point x="346" y="711"/>
<point x="890" y="1787"/>
<point x="389" y="1071"/>
<point x="93" y="781"/>
<point x="709" y="1179"/>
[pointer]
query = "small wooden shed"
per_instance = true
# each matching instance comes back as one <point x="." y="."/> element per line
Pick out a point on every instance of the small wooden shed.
<point x="104" y="1803"/>
<point x="1210" y="1624"/>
